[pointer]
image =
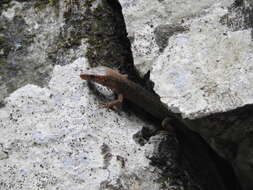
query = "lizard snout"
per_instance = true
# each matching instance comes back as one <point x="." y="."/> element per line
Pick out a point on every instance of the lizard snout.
<point x="96" y="78"/>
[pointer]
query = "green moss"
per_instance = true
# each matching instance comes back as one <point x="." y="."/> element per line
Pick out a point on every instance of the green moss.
<point x="3" y="47"/>
<point x="42" y="4"/>
<point x="2" y="62"/>
<point x="87" y="3"/>
<point x="52" y="51"/>
<point x="83" y="36"/>
<point x="6" y="1"/>
<point x="2" y="40"/>
<point x="4" y="4"/>
<point x="53" y="2"/>
<point x="66" y="43"/>
<point x="161" y="180"/>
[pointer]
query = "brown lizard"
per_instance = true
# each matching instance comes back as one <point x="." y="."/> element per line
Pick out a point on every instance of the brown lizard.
<point x="191" y="143"/>
<point x="129" y="90"/>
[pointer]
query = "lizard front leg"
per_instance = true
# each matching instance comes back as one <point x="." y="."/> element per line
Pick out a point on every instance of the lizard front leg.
<point x="116" y="102"/>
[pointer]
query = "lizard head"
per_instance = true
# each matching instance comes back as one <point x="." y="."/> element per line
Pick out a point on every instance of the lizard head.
<point x="104" y="76"/>
<point x="95" y="78"/>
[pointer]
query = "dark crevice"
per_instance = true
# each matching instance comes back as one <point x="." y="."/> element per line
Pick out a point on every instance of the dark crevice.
<point x="238" y="3"/>
<point x="108" y="42"/>
<point x="199" y="154"/>
<point x="239" y="16"/>
<point x="164" y="32"/>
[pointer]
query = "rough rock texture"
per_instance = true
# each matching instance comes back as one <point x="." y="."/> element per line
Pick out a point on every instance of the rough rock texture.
<point x="61" y="138"/>
<point x="57" y="137"/>
<point x="24" y="41"/>
<point x="147" y="21"/>
<point x="201" y="65"/>
<point x="230" y="134"/>
<point x="33" y="38"/>
<point x="53" y="32"/>
<point x="209" y="67"/>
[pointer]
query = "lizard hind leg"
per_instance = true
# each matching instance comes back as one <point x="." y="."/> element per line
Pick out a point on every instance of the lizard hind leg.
<point x="116" y="102"/>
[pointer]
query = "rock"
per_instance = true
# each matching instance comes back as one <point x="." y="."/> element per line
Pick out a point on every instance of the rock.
<point x="60" y="138"/>
<point x="3" y="155"/>
<point x="203" y="70"/>
<point x="144" y="17"/>
<point x="206" y="77"/>
<point x="56" y="136"/>
<point x="32" y="40"/>
<point x="164" y="32"/>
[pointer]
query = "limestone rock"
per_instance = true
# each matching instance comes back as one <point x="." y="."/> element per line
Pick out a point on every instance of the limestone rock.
<point x="202" y="69"/>
<point x="61" y="138"/>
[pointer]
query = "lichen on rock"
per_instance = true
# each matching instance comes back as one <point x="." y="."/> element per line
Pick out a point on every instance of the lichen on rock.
<point x="201" y="71"/>
<point x="60" y="138"/>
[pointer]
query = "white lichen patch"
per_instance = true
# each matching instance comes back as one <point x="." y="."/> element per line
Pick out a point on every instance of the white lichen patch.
<point x="208" y="69"/>
<point x="13" y="10"/>
<point x="61" y="138"/>
<point x="143" y="16"/>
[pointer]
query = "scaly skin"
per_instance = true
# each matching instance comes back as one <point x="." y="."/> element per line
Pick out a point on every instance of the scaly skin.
<point x="129" y="90"/>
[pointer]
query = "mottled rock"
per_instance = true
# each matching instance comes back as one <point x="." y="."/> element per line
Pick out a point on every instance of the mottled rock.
<point x="206" y="77"/>
<point x="164" y="32"/>
<point x="31" y="42"/>
<point x="53" y="32"/>
<point x="58" y="137"/>
<point x="61" y="138"/>
<point x="143" y="17"/>
<point x="24" y="42"/>
<point x="203" y="70"/>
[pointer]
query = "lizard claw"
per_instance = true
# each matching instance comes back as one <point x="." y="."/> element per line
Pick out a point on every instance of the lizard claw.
<point x="113" y="103"/>
<point x="106" y="105"/>
<point x="110" y="105"/>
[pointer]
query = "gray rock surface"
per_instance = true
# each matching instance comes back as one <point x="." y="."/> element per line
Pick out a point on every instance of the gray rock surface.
<point x="144" y="18"/>
<point x="33" y="37"/>
<point x="208" y="70"/>
<point x="200" y="57"/>
<point x="60" y="138"/>
<point x="24" y="37"/>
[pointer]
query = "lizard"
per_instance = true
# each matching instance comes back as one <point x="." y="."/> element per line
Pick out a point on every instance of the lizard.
<point x="125" y="88"/>
<point x="191" y="142"/>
